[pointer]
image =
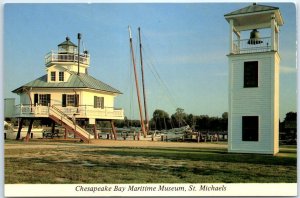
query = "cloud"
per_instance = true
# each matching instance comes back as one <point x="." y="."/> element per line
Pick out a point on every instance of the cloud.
<point x="288" y="70"/>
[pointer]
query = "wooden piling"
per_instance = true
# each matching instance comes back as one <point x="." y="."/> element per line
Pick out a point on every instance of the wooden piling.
<point x="29" y="130"/>
<point x="95" y="131"/>
<point x="19" y="129"/>
<point x="65" y="136"/>
<point x="198" y="137"/>
<point x="113" y="129"/>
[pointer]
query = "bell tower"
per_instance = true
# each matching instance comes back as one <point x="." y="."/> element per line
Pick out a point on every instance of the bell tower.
<point x="253" y="117"/>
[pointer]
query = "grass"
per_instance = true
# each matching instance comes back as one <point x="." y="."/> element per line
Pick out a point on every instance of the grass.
<point x="80" y="163"/>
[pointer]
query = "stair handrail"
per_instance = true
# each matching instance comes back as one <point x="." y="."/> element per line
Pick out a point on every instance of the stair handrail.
<point x="61" y="112"/>
<point x="71" y="120"/>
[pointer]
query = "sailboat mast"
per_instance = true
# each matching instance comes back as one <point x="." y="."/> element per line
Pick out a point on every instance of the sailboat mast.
<point x="143" y="82"/>
<point x="136" y="84"/>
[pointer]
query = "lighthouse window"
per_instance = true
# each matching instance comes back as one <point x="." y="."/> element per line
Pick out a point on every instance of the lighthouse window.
<point x="251" y="74"/>
<point x="98" y="102"/>
<point x="250" y="128"/>
<point x="70" y="100"/>
<point x="61" y="76"/>
<point x="44" y="99"/>
<point x="53" y="75"/>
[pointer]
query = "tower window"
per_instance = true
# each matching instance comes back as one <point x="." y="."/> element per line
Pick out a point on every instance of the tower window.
<point x="53" y="75"/>
<point x="98" y="102"/>
<point x="251" y="74"/>
<point x="61" y="76"/>
<point x="250" y="128"/>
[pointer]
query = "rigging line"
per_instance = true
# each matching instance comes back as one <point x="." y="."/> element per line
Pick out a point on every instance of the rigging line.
<point x="161" y="81"/>
<point x="83" y="46"/>
<point x="137" y="57"/>
<point x="164" y="94"/>
<point x="130" y="87"/>
<point x="159" y="77"/>
<point x="155" y="70"/>
<point x="132" y="98"/>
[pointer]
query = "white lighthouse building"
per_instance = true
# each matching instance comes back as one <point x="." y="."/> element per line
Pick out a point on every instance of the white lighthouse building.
<point x="253" y="121"/>
<point x="67" y="94"/>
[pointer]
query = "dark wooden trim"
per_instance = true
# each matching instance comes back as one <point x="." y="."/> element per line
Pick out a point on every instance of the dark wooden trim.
<point x="64" y="100"/>
<point x="36" y="99"/>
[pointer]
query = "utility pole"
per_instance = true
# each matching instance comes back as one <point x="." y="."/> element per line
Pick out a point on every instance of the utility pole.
<point x="78" y="57"/>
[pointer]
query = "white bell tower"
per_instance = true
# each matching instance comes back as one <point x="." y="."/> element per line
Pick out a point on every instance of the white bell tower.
<point x="253" y="117"/>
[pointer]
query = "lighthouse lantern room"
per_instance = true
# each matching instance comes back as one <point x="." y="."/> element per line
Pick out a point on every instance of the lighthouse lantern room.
<point x="253" y="121"/>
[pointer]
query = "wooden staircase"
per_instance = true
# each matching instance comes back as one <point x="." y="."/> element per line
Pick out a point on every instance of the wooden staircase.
<point x="61" y="118"/>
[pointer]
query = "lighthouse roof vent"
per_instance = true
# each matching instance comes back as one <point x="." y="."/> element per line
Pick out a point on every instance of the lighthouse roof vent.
<point x="67" y="42"/>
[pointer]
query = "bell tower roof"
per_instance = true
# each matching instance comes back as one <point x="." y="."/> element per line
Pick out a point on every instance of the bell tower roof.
<point x="254" y="14"/>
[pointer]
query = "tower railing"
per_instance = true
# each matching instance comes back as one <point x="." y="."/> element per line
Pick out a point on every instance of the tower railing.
<point x="242" y="46"/>
<point x="66" y="57"/>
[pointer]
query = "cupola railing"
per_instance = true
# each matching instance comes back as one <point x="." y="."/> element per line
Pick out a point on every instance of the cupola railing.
<point x="67" y="57"/>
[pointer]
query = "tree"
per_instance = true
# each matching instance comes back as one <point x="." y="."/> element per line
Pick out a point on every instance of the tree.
<point x="202" y="122"/>
<point x="290" y="116"/>
<point x="160" y="118"/>
<point x="190" y="120"/>
<point x="289" y="126"/>
<point x="180" y="117"/>
<point x="225" y="115"/>
<point x="224" y="122"/>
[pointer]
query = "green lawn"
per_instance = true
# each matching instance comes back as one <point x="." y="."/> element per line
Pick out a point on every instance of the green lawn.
<point x="80" y="163"/>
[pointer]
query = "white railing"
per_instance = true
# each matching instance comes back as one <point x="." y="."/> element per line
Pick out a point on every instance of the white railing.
<point x="244" y="45"/>
<point x="83" y="111"/>
<point x="31" y="110"/>
<point x="59" y="57"/>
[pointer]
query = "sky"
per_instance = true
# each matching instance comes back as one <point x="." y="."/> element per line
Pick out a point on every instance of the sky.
<point x="184" y="50"/>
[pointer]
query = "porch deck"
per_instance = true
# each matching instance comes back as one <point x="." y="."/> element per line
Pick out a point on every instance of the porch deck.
<point x="83" y="111"/>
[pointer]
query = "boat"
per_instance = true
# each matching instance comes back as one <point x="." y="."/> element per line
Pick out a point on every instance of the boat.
<point x="163" y="135"/>
<point x="10" y="132"/>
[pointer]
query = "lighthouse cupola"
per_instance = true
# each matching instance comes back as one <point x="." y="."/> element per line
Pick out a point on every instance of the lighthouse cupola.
<point x="68" y="57"/>
<point x="67" y="47"/>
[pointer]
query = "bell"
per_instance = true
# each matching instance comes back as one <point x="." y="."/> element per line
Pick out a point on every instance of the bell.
<point x="254" y="38"/>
